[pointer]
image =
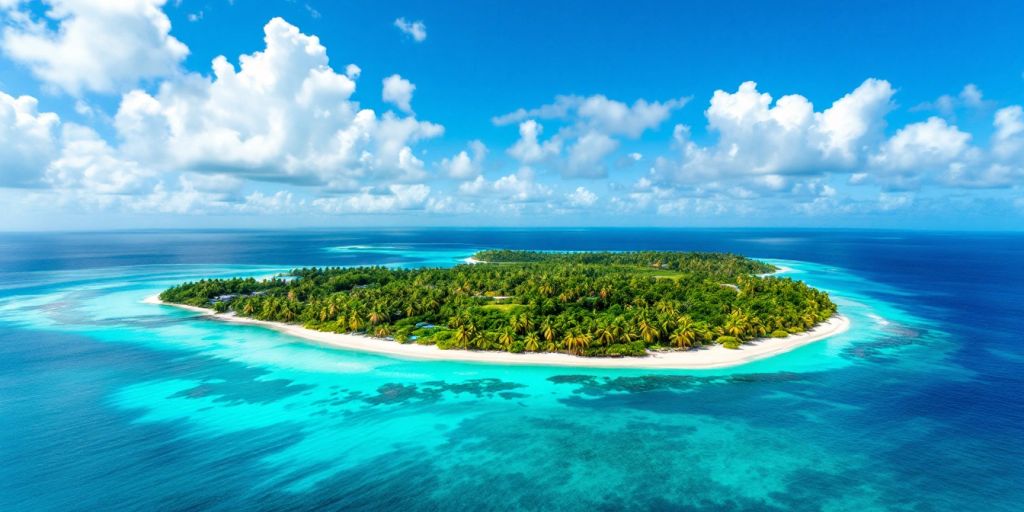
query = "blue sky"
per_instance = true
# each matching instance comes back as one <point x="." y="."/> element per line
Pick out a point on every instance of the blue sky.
<point x="860" y="114"/>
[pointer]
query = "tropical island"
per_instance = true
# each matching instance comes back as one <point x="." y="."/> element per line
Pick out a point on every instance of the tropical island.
<point x="579" y="305"/>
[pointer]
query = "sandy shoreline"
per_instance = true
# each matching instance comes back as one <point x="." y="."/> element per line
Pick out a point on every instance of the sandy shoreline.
<point x="704" y="358"/>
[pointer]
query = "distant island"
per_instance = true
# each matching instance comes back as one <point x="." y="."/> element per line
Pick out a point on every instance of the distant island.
<point x="593" y="305"/>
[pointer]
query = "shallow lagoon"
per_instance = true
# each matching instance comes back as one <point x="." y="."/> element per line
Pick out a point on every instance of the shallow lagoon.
<point x="111" y="403"/>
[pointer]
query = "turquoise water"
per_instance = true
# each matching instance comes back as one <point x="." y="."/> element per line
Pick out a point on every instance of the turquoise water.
<point x="111" y="403"/>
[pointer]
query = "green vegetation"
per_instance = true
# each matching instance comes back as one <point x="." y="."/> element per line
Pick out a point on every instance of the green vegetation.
<point x="589" y="304"/>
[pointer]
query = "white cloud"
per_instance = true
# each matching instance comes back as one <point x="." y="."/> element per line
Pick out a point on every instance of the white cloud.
<point x="285" y="115"/>
<point x="889" y="202"/>
<point x="96" y="45"/>
<point x="464" y="166"/>
<point x="394" y="198"/>
<point x="279" y="202"/>
<point x="416" y="30"/>
<point x="586" y="155"/>
<point x="186" y="199"/>
<point x="474" y="187"/>
<point x="352" y="71"/>
<point x="1008" y="141"/>
<point x="919" y="146"/>
<point x="581" y="198"/>
<point x="398" y="91"/>
<point x="598" y="113"/>
<point x="520" y="187"/>
<point x="757" y="137"/>
<point x="855" y="118"/>
<point x="616" y="118"/>
<point x="528" y="149"/>
<point x="27" y="140"/>
<point x="594" y="122"/>
<point x="88" y="163"/>
<point x="560" y="109"/>
<point x="969" y="97"/>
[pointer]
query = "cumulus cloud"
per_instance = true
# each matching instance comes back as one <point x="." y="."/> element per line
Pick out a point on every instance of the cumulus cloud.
<point x="393" y="198"/>
<point x="28" y="140"/>
<point x="757" y="136"/>
<point x="279" y="202"/>
<point x="95" y="45"/>
<point x="520" y="187"/>
<point x="587" y="154"/>
<point x="946" y="105"/>
<point x="529" y="149"/>
<point x="1008" y="141"/>
<point x="416" y="30"/>
<point x="598" y="113"/>
<point x="581" y="198"/>
<point x="284" y="115"/>
<point x="616" y="118"/>
<point x="593" y="123"/>
<point x="398" y="91"/>
<point x="466" y="165"/>
<point x="88" y="163"/>
<point x="920" y="148"/>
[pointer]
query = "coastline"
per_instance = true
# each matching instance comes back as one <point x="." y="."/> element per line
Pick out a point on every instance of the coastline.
<point x="715" y="356"/>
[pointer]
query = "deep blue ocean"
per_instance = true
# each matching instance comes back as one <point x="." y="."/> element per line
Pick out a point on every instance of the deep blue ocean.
<point x="108" y="403"/>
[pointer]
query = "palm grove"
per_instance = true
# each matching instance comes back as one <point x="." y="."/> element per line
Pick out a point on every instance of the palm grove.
<point x="588" y="304"/>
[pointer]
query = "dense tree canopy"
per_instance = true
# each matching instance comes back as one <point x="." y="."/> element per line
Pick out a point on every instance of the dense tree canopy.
<point x="590" y="304"/>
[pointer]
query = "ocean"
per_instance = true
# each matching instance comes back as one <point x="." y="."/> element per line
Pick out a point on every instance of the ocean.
<point x="107" y="403"/>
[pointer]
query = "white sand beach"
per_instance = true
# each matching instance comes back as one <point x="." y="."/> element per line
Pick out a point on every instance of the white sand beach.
<point x="709" y="357"/>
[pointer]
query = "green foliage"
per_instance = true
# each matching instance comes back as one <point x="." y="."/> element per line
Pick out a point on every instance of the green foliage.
<point x="722" y="340"/>
<point x="635" y="349"/>
<point x="732" y="344"/>
<point x="592" y="304"/>
<point x="779" y="333"/>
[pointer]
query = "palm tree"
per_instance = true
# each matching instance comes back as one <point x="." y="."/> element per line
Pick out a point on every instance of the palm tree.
<point x="464" y="334"/>
<point x="516" y="322"/>
<point x="605" y="334"/>
<point x="648" y="330"/>
<point x="506" y="339"/>
<point x="576" y="342"/>
<point x="481" y="340"/>
<point x="809" y="319"/>
<point x="681" y="338"/>
<point x="546" y="289"/>
<point x="526" y="321"/>
<point x="548" y="331"/>
<point x="685" y="333"/>
<point x="735" y="323"/>
<point x="287" y="313"/>
<point x="532" y="342"/>
<point x="377" y="317"/>
<point x="355" y="322"/>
